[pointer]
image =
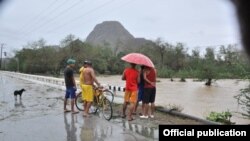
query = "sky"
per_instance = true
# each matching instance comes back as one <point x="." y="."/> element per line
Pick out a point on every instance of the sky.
<point x="196" y="23"/>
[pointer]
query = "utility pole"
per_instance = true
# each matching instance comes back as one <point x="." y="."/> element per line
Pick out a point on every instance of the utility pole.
<point x="1" y="56"/>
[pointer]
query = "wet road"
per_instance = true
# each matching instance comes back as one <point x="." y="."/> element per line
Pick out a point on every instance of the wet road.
<point x="39" y="116"/>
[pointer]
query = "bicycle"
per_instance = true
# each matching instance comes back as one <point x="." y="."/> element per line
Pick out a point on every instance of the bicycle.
<point x="100" y="102"/>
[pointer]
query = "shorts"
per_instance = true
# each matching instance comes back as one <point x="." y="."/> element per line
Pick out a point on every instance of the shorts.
<point x="140" y="94"/>
<point x="149" y="95"/>
<point x="81" y="86"/>
<point x="87" y="93"/>
<point x="130" y="96"/>
<point x="70" y="93"/>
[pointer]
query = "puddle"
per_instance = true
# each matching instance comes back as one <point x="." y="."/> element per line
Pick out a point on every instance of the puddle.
<point x="144" y="130"/>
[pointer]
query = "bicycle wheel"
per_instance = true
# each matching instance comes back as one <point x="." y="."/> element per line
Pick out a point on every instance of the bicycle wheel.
<point x="106" y="109"/>
<point x="79" y="101"/>
<point x="94" y="107"/>
<point x="109" y="95"/>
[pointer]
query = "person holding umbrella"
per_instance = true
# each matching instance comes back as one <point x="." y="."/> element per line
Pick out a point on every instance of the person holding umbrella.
<point x="140" y="90"/>
<point x="131" y="76"/>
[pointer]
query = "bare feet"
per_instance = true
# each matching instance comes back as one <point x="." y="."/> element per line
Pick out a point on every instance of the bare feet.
<point x="86" y="115"/>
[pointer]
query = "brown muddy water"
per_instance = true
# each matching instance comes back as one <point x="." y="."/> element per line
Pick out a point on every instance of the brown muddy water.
<point x="194" y="97"/>
<point x="39" y="115"/>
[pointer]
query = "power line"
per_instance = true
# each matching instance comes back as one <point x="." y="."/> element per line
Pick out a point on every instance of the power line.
<point x="79" y="17"/>
<point x="76" y="18"/>
<point x="49" y="13"/>
<point x="12" y="36"/>
<point x="55" y="17"/>
<point x="37" y="17"/>
<point x="117" y="7"/>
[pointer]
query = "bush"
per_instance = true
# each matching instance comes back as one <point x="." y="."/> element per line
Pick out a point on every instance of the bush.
<point x="223" y="117"/>
<point x="165" y="73"/>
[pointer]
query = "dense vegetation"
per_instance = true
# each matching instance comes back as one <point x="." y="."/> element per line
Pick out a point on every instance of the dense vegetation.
<point x="170" y="60"/>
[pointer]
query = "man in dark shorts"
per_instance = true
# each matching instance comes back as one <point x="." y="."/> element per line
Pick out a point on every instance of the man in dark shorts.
<point x="70" y="86"/>
<point x="149" y="76"/>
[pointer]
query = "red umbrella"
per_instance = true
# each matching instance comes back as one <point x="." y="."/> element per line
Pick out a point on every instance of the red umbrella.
<point x="138" y="58"/>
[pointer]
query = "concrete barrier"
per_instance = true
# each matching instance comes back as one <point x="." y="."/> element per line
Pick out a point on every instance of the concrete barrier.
<point x="60" y="84"/>
<point x="176" y="113"/>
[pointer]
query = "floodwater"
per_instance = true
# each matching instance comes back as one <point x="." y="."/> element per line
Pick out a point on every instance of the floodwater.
<point x="194" y="97"/>
<point x="39" y="116"/>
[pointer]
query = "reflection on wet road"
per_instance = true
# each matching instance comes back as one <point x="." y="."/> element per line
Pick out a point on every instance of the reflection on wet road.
<point x="70" y="127"/>
<point x="39" y="116"/>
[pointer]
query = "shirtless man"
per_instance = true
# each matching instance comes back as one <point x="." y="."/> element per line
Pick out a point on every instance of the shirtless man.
<point x="89" y="79"/>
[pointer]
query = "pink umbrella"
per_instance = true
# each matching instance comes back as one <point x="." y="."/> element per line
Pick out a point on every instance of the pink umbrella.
<point x="138" y="58"/>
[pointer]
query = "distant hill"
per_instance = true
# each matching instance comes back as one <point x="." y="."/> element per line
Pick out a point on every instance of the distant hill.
<point x="114" y="35"/>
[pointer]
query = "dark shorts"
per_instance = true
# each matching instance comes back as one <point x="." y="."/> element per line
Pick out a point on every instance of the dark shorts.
<point x="149" y="95"/>
<point x="70" y="93"/>
<point x="140" y="93"/>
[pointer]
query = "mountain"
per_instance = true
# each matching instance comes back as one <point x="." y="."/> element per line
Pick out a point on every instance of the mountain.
<point x="114" y="35"/>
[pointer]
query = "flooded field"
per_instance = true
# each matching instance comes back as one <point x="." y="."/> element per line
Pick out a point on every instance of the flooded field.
<point x="194" y="97"/>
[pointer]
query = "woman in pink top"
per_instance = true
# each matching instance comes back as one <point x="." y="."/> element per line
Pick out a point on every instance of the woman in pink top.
<point x="149" y="91"/>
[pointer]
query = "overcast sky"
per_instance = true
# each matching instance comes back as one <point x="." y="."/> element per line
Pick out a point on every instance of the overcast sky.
<point x="194" y="22"/>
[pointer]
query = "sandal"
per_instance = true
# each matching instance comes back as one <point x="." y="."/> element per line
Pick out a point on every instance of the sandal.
<point x="75" y="112"/>
<point x="86" y="115"/>
<point x="65" y="111"/>
<point x="130" y="119"/>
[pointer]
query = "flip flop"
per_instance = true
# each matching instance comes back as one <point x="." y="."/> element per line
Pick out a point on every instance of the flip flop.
<point x="123" y="116"/>
<point x="65" y="111"/>
<point x="75" y="112"/>
<point x="130" y="119"/>
<point x="84" y="115"/>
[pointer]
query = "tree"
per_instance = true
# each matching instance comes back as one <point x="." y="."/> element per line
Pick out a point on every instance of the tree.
<point x="180" y="56"/>
<point x="195" y="59"/>
<point x="243" y="100"/>
<point x="208" y="69"/>
<point x="210" y="55"/>
<point x="160" y="47"/>
<point x="230" y="54"/>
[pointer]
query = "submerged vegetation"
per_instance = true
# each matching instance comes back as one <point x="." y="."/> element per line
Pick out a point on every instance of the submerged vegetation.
<point x="222" y="117"/>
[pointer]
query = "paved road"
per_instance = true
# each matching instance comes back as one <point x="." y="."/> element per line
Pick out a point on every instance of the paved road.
<point x="39" y="117"/>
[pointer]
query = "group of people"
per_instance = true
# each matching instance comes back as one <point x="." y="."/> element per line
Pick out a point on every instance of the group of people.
<point x="140" y="86"/>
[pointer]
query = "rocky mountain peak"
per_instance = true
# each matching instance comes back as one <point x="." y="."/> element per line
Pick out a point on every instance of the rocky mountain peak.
<point x="111" y="32"/>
